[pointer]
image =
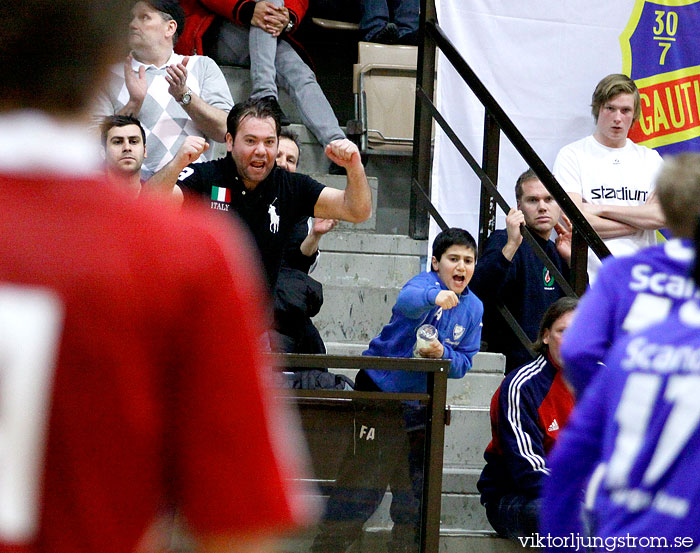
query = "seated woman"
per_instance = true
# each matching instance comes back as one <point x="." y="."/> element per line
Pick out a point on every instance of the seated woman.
<point x="527" y="411"/>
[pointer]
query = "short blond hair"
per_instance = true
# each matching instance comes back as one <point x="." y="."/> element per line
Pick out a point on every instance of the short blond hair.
<point x="678" y="189"/>
<point x="611" y="86"/>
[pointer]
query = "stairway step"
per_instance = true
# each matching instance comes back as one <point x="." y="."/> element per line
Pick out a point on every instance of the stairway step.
<point x="461" y="480"/>
<point x="344" y="348"/>
<point x="375" y="243"/>
<point x="474" y="390"/>
<point x="458" y="513"/>
<point x="352" y="314"/>
<point x="489" y="362"/>
<point x="462" y="512"/>
<point x="466" y="437"/>
<point x="374" y="541"/>
<point x="478" y="542"/>
<point x="362" y="272"/>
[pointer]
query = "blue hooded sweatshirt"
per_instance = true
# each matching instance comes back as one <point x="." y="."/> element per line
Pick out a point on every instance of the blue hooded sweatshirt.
<point x="459" y="331"/>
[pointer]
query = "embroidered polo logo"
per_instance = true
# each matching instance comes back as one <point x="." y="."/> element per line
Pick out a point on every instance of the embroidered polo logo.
<point x="457" y="332"/>
<point x="274" y="219"/>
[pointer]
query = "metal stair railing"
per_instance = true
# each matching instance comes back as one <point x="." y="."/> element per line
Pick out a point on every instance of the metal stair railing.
<point x="496" y="120"/>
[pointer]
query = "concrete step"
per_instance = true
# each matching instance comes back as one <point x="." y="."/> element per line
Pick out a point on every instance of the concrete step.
<point x="462" y="513"/>
<point x="345" y="348"/>
<point x="361" y="271"/>
<point x="362" y="274"/>
<point x="351" y="313"/>
<point x="474" y="390"/>
<point x="459" y="513"/>
<point x="460" y="480"/>
<point x="466" y="437"/>
<point x="374" y="541"/>
<point x="352" y="242"/>
<point x="478" y="542"/>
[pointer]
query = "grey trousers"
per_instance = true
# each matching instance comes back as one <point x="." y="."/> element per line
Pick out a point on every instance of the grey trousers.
<point x="274" y="62"/>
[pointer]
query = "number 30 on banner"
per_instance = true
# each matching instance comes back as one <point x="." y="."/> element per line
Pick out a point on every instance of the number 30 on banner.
<point x="30" y="327"/>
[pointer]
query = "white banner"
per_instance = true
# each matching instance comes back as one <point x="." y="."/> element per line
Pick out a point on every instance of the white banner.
<point x="541" y="60"/>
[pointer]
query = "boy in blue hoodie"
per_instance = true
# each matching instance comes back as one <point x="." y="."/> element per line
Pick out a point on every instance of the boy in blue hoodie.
<point x="395" y="431"/>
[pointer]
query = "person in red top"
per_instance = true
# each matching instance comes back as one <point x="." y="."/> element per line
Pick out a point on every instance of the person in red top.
<point x="527" y="411"/>
<point x="132" y="386"/>
<point x="260" y="34"/>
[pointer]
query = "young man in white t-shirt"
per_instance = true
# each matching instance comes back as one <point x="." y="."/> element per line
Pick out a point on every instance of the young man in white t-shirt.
<point x="609" y="177"/>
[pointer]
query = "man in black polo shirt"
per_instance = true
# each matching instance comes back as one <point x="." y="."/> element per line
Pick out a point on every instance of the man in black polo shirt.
<point x="270" y="200"/>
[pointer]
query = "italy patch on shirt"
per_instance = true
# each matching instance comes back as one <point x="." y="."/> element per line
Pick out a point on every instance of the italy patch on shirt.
<point x="220" y="198"/>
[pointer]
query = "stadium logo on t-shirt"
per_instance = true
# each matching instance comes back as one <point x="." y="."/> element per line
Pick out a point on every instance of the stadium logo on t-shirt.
<point x="624" y="194"/>
<point x="661" y="52"/>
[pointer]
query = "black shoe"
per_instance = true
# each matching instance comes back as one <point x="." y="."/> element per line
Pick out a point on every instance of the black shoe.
<point x="284" y="120"/>
<point x="409" y="39"/>
<point x="388" y="35"/>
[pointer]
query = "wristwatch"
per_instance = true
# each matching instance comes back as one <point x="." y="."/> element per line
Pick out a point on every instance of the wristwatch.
<point x="290" y="26"/>
<point x="186" y="98"/>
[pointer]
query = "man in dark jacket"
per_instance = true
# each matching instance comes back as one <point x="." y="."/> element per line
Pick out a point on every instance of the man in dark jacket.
<point x="510" y="272"/>
<point x="297" y="296"/>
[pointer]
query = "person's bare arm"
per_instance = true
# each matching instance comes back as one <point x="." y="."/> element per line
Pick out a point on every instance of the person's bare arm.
<point x="354" y="204"/>
<point x="606" y="228"/>
<point x="320" y="227"/>
<point x="210" y="120"/>
<point x="164" y="181"/>
<point x="645" y="217"/>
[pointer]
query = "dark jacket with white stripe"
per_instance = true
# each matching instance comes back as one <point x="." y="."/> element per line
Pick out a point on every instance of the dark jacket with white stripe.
<point x="527" y="411"/>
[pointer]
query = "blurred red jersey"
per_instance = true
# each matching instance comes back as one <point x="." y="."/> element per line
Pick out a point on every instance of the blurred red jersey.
<point x="130" y="376"/>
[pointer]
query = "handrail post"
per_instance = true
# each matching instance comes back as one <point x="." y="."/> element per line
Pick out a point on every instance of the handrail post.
<point x="579" y="262"/>
<point x="489" y="163"/>
<point x="418" y="222"/>
<point x="435" y="445"/>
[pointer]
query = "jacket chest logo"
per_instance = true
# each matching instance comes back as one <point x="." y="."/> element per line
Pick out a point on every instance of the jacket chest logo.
<point x="547" y="279"/>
